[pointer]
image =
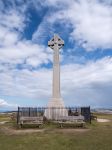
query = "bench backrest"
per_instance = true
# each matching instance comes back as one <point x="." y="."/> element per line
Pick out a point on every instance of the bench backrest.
<point x="31" y="118"/>
<point x="70" y="118"/>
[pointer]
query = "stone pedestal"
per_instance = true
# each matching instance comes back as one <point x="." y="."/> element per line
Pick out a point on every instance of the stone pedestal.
<point x="54" y="113"/>
<point x="56" y="102"/>
<point x="55" y="109"/>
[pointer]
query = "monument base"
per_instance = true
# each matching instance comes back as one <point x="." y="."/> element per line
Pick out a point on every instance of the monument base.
<point x="55" y="109"/>
<point x="56" y="102"/>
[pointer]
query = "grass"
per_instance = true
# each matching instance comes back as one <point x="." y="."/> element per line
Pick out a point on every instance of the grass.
<point x="102" y="115"/>
<point x="98" y="137"/>
<point x="4" y="117"/>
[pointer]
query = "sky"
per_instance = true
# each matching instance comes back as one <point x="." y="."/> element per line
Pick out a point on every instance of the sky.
<point x="26" y="26"/>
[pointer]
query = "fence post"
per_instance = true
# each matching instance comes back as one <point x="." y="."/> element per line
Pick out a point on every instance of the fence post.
<point x="18" y="116"/>
<point x="29" y="111"/>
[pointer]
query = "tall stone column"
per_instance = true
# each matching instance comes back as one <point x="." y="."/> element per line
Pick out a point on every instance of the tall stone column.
<point x="56" y="43"/>
<point x="56" y="104"/>
<point x="56" y="73"/>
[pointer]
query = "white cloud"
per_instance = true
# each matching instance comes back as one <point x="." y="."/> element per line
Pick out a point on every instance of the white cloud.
<point x="14" y="52"/>
<point x="90" y="22"/>
<point x="4" y="104"/>
<point x="25" y="53"/>
<point x="12" y="24"/>
<point x="13" y="49"/>
<point x="7" y="37"/>
<point x="12" y="20"/>
<point x="26" y="83"/>
<point x="83" y="76"/>
<point x="88" y="84"/>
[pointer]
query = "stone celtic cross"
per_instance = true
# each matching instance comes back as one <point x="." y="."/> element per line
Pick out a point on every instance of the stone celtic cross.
<point x="56" y="102"/>
<point x="56" y="43"/>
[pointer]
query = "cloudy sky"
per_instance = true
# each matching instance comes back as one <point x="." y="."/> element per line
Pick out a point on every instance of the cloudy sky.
<point x="26" y="61"/>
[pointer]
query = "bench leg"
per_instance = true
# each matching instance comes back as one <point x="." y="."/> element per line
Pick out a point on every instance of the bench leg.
<point x="37" y="125"/>
<point x="21" y="125"/>
<point x="61" y="126"/>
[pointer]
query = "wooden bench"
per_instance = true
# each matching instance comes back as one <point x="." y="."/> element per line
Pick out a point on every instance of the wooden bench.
<point x="70" y="120"/>
<point x="31" y="120"/>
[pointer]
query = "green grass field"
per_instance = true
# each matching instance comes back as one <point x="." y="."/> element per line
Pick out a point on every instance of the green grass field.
<point x="97" y="136"/>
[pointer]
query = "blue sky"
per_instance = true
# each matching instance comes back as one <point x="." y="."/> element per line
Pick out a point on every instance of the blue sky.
<point x="26" y="61"/>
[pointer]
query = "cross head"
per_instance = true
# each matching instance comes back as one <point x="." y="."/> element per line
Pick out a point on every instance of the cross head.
<point x="56" y="40"/>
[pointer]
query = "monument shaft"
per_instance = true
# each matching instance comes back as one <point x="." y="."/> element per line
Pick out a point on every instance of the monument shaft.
<point x="56" y="43"/>
<point x="56" y="106"/>
<point x="56" y="73"/>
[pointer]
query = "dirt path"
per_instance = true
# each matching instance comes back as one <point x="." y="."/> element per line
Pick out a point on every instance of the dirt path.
<point x="80" y="130"/>
<point x="103" y="120"/>
<point x="3" y="122"/>
<point x="12" y="131"/>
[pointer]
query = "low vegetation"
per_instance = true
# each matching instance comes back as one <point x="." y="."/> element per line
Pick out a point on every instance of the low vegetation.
<point x="97" y="136"/>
